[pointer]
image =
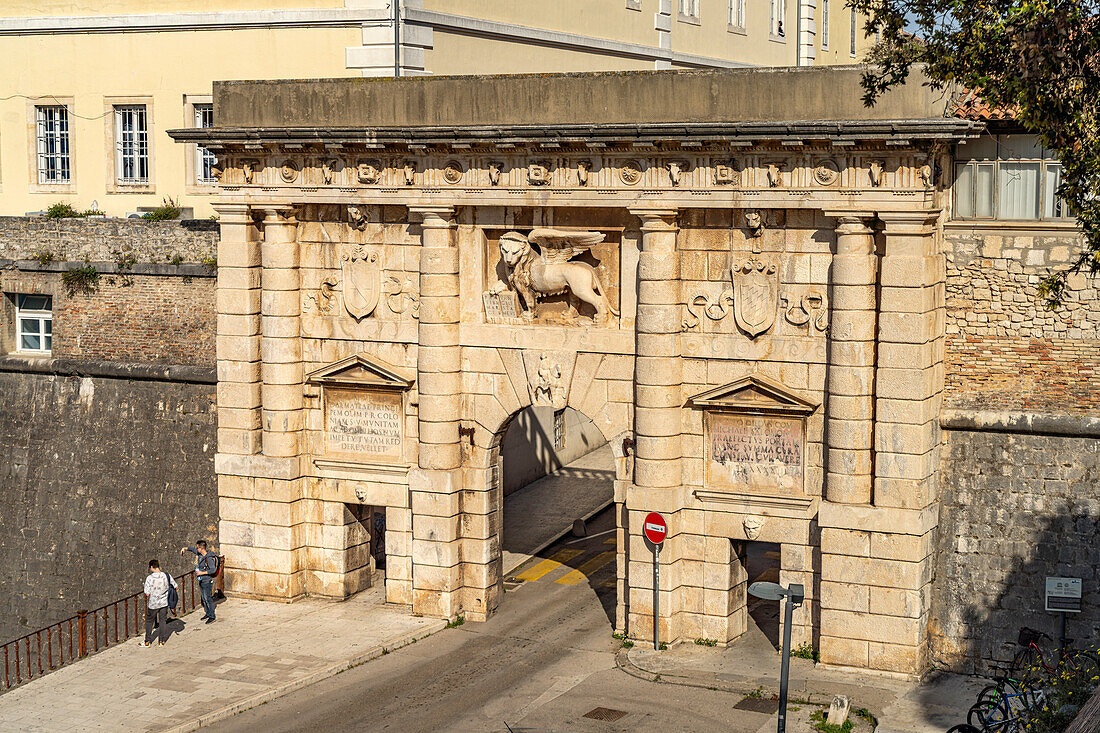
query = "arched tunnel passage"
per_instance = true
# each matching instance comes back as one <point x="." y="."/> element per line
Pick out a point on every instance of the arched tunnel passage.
<point x="556" y="467"/>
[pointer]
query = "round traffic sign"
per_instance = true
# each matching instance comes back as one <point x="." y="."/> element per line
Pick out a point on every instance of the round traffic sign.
<point x="655" y="528"/>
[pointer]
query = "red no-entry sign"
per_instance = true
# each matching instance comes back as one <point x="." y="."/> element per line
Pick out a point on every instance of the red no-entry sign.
<point x="655" y="528"/>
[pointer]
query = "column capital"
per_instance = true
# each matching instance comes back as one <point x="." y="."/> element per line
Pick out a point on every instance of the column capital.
<point x="853" y="222"/>
<point x="232" y="212"/>
<point x="656" y="219"/>
<point x="909" y="222"/>
<point x="434" y="216"/>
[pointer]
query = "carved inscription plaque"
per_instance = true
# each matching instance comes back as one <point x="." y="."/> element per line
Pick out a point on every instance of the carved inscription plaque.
<point x="754" y="453"/>
<point x="364" y="424"/>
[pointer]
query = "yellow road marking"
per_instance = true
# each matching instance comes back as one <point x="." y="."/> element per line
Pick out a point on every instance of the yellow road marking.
<point x="576" y="576"/>
<point x="548" y="566"/>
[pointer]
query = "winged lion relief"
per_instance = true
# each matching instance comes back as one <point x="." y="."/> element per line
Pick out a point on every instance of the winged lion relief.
<point x="539" y="265"/>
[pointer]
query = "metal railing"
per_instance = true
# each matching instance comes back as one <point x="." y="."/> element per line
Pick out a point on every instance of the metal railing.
<point x="86" y="633"/>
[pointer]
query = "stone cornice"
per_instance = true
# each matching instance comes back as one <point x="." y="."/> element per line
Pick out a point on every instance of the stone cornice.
<point x="899" y="132"/>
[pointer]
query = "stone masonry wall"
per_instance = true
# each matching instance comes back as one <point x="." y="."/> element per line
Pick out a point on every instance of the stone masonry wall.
<point x="1004" y="349"/>
<point x="96" y="239"/>
<point x="1016" y="508"/>
<point x="97" y="476"/>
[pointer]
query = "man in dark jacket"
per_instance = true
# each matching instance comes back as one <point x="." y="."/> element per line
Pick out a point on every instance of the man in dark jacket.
<point x="206" y="567"/>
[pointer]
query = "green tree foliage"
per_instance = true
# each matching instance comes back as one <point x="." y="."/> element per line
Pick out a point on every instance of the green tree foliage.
<point x="1037" y="59"/>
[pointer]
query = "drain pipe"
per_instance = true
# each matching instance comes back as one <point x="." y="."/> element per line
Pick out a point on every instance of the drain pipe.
<point x="396" y="38"/>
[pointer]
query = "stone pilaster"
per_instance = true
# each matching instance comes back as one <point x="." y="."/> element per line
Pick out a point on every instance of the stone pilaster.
<point x="658" y="403"/>
<point x="436" y="484"/>
<point x="280" y="345"/>
<point x="238" y="340"/>
<point x="876" y="559"/>
<point x="851" y="370"/>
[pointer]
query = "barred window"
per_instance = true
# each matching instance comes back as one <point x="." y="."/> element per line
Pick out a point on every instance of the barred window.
<point x="853" y="36"/>
<point x="54" y="164"/>
<point x="1008" y="177"/>
<point x="737" y="13"/>
<point x="690" y="8"/>
<point x="559" y="429"/>
<point x="778" y="11"/>
<point x="34" y="323"/>
<point x="824" y="24"/>
<point x="205" y="160"/>
<point x="132" y="144"/>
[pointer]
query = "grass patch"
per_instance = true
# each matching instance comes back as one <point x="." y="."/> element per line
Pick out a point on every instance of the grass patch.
<point x="756" y="694"/>
<point x="81" y="280"/>
<point x="823" y="726"/>
<point x="806" y="650"/>
<point x="706" y="642"/>
<point x="43" y="258"/>
<point x="459" y="620"/>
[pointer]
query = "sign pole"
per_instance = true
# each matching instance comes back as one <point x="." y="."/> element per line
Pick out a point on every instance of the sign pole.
<point x="656" y="597"/>
<point x="784" y="666"/>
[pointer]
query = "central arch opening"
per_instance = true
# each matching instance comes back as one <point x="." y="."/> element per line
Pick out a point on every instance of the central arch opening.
<point x="557" y="479"/>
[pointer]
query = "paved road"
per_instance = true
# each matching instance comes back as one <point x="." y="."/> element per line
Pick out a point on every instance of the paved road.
<point x="543" y="662"/>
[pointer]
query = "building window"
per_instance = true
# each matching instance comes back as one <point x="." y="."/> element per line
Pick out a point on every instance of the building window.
<point x="824" y="25"/>
<point x="559" y="429"/>
<point x="737" y="14"/>
<point x="689" y="8"/>
<point x="54" y="165"/>
<point x="778" y="10"/>
<point x="34" y="323"/>
<point x="854" y="31"/>
<point x="205" y="160"/>
<point x="1008" y="177"/>
<point x="131" y="144"/>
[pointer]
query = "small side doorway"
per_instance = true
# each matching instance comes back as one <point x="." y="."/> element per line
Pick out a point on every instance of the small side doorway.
<point x="762" y="561"/>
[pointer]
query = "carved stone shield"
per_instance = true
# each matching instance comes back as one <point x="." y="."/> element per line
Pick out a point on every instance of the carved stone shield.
<point x="755" y="289"/>
<point x="362" y="283"/>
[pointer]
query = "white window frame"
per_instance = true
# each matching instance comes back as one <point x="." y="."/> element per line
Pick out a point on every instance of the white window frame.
<point x="1050" y="209"/>
<point x="777" y="25"/>
<point x="132" y="145"/>
<point x="824" y="25"/>
<point x="42" y="320"/>
<point x="736" y="18"/>
<point x="204" y="159"/>
<point x="54" y="153"/>
<point x="688" y="11"/>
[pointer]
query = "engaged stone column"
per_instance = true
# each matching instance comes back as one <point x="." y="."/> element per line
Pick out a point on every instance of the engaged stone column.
<point x="851" y="374"/>
<point x="657" y="416"/>
<point x="435" y="487"/>
<point x="238" y="331"/>
<point x="281" y="346"/>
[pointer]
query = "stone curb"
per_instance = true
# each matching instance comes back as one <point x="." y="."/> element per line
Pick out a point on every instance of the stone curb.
<point x="284" y="689"/>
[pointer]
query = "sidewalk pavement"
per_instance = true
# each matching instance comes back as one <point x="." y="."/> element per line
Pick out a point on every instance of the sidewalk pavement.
<point x="900" y="706"/>
<point x="255" y="652"/>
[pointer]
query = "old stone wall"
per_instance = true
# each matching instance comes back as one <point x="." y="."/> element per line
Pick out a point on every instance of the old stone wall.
<point x="94" y="239"/>
<point x="1004" y="349"/>
<point x="1016" y="507"/>
<point x="98" y="474"/>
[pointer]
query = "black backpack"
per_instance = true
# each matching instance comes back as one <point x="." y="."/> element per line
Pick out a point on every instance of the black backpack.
<point x="173" y="594"/>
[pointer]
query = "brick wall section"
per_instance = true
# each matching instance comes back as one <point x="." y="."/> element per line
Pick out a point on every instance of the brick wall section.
<point x="97" y="475"/>
<point x="1004" y="350"/>
<point x="94" y="239"/>
<point x="1015" y="509"/>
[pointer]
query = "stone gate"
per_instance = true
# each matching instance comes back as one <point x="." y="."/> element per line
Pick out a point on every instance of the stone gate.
<point x="738" y="275"/>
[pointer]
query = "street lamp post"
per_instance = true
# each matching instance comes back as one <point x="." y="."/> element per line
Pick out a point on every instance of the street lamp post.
<point x="794" y="596"/>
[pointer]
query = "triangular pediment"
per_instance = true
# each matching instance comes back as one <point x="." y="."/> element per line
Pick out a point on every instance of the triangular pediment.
<point x="755" y="393"/>
<point x="360" y="370"/>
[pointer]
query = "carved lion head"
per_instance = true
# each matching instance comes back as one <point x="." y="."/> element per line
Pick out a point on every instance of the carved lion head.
<point x="513" y="247"/>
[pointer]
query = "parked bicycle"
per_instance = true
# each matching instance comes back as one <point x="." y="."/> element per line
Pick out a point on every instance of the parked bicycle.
<point x="1031" y="664"/>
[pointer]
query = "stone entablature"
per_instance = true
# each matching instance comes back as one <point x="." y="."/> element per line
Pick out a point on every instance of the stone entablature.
<point x="756" y="327"/>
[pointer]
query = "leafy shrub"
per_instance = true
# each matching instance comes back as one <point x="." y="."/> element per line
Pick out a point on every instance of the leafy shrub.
<point x="62" y="210"/>
<point x="806" y="650"/>
<point x="166" y="211"/>
<point x="44" y="257"/>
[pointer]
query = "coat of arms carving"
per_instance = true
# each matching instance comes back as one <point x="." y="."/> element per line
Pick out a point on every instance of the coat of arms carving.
<point x="362" y="283"/>
<point x="755" y="295"/>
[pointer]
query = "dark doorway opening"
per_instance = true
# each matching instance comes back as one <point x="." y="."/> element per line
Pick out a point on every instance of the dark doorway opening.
<point x="762" y="561"/>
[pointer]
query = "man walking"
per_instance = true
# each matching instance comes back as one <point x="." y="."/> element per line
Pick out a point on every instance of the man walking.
<point x="157" y="584"/>
<point x="206" y="567"/>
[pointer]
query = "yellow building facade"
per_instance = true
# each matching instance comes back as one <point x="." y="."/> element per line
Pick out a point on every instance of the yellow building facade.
<point x="89" y="88"/>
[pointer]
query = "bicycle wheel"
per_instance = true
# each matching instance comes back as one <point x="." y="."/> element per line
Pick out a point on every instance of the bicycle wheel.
<point x="1083" y="664"/>
<point x="964" y="728"/>
<point x="994" y="717"/>
<point x="1027" y="665"/>
<point x="988" y="699"/>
